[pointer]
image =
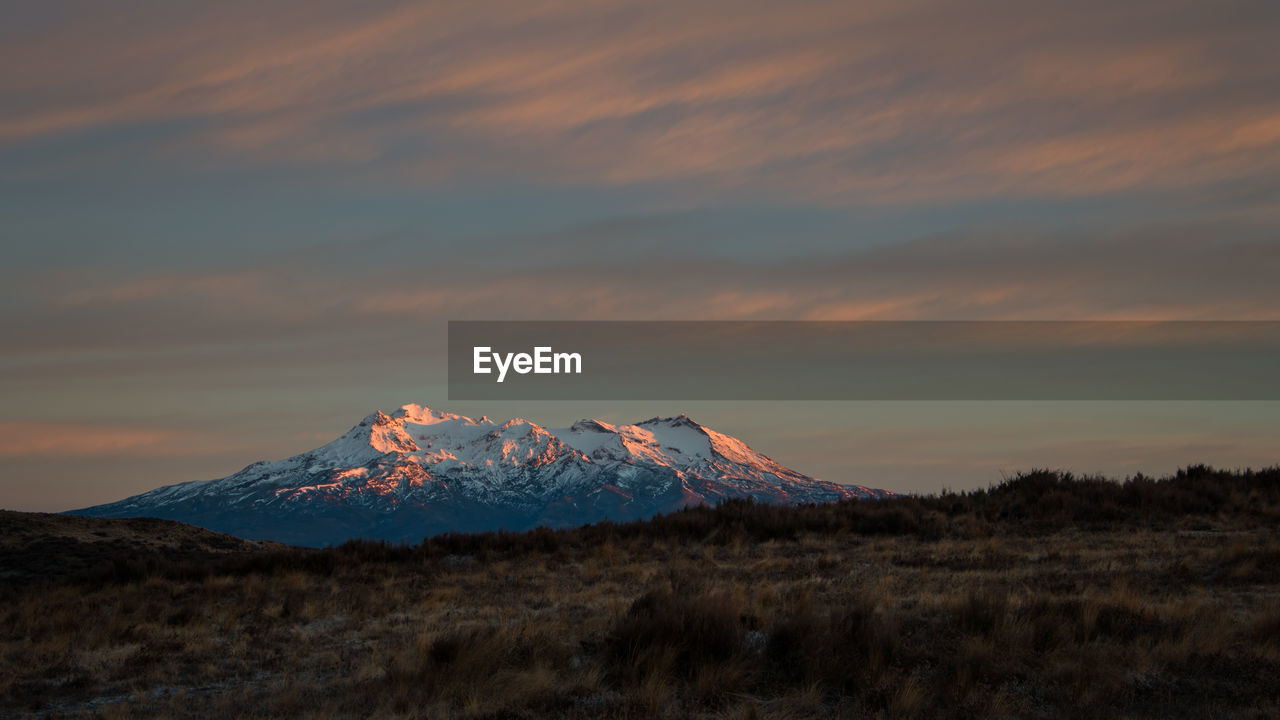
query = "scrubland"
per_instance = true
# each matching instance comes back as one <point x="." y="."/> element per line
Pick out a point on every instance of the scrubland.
<point x="1046" y="596"/>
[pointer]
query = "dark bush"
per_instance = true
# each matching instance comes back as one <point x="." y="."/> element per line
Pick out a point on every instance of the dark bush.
<point x="663" y="625"/>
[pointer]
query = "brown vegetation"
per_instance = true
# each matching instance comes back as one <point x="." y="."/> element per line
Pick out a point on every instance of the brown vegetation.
<point x="1047" y="596"/>
<point x="39" y="547"/>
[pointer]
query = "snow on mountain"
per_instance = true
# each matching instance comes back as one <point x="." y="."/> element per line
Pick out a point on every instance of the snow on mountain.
<point x="418" y="472"/>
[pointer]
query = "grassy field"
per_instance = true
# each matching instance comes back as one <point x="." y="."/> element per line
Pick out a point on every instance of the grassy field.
<point x="1047" y="596"/>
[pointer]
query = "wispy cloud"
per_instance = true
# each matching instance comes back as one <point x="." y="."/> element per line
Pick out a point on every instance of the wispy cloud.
<point x="818" y="101"/>
<point x="1150" y="272"/>
<point x="63" y="440"/>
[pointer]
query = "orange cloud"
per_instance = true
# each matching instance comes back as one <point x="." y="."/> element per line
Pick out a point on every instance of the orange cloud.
<point x="821" y="102"/>
<point x="72" y="439"/>
<point x="1161" y="272"/>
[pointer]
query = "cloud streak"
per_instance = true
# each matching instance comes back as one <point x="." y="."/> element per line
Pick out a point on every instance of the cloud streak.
<point x="63" y="440"/>
<point x="817" y="102"/>
<point x="330" y="298"/>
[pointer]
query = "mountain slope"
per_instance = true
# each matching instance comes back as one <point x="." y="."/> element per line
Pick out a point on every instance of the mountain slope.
<point x="419" y="472"/>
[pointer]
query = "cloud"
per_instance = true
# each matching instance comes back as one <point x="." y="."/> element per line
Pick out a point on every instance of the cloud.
<point x="327" y="304"/>
<point x="64" y="440"/>
<point x="824" y="102"/>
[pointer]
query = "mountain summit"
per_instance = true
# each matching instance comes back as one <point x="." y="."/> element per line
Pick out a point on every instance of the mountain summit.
<point x="418" y="472"/>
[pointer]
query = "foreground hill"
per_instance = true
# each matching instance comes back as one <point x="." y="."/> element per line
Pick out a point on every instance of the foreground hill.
<point x="38" y="547"/>
<point x="1045" y="597"/>
<point x="419" y="472"/>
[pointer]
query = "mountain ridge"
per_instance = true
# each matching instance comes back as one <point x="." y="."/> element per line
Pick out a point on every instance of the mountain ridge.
<point x="416" y="472"/>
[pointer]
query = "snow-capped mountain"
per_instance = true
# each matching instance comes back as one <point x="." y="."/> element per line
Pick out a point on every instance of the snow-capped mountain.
<point x="418" y="472"/>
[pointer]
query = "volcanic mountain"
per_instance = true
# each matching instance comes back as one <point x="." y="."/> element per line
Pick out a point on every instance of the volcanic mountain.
<point x="418" y="472"/>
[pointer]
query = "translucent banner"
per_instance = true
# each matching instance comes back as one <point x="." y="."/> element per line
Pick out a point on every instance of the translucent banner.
<point x="864" y="360"/>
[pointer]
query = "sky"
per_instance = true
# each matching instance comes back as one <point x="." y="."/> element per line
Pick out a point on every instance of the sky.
<point x="229" y="231"/>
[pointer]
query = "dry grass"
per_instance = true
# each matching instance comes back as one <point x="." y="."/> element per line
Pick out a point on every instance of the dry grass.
<point x="1147" y="619"/>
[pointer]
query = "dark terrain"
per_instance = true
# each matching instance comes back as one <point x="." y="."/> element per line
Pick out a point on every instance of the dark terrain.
<point x="1045" y="596"/>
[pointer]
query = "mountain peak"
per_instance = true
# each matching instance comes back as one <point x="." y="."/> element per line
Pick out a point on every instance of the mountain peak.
<point x="423" y="415"/>
<point x="591" y="425"/>
<point x="679" y="421"/>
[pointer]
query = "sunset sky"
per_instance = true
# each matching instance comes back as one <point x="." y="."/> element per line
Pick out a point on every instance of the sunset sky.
<point x="230" y="230"/>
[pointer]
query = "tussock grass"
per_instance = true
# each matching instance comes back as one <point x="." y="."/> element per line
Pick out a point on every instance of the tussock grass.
<point x="1047" y="596"/>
